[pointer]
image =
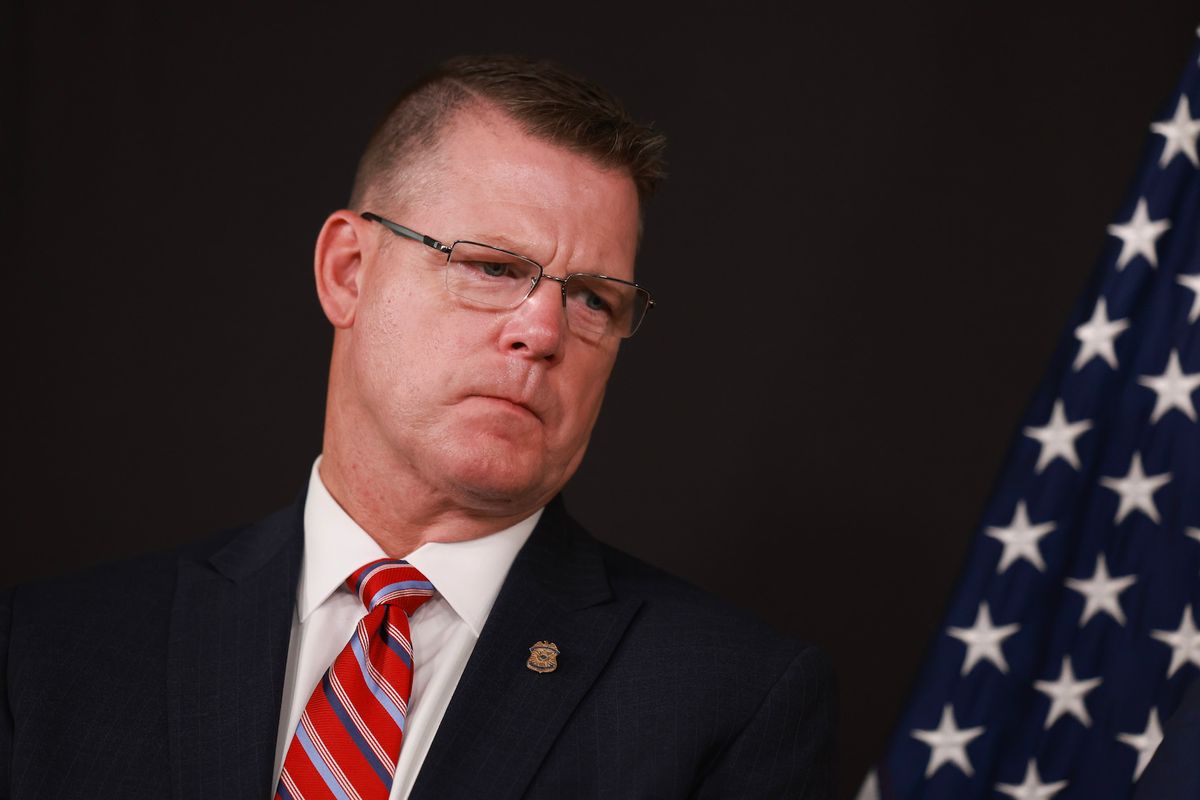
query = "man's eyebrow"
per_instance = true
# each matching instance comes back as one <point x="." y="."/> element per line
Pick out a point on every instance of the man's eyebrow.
<point x="523" y="249"/>
<point x="504" y="242"/>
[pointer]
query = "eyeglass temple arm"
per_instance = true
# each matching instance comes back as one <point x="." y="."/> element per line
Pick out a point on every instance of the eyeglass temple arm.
<point x="407" y="233"/>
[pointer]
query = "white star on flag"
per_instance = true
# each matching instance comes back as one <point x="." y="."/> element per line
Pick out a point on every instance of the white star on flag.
<point x="1136" y="490"/>
<point x="1180" y="132"/>
<point x="1139" y="236"/>
<point x="1102" y="592"/>
<point x="1191" y="282"/>
<point x="1090" y="538"/>
<point x="983" y="640"/>
<point x="1057" y="438"/>
<point x="1096" y="336"/>
<point x="1184" y="642"/>
<point x="1032" y="787"/>
<point x="1174" y="388"/>
<point x="1020" y="540"/>
<point x="1145" y="742"/>
<point x="1066" y="695"/>
<point x="948" y="743"/>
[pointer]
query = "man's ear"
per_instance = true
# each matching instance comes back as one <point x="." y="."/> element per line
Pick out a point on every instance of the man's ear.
<point x="337" y="264"/>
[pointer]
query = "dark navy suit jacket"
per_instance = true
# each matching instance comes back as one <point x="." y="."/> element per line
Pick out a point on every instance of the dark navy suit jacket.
<point x="162" y="677"/>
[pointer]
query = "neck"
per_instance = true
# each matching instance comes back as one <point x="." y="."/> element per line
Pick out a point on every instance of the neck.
<point x="400" y="513"/>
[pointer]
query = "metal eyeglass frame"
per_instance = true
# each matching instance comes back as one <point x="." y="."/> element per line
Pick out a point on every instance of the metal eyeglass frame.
<point x="447" y="249"/>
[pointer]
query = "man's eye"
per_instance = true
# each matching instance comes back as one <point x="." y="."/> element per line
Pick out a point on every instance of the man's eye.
<point x="594" y="302"/>
<point x="593" y="305"/>
<point x="490" y="269"/>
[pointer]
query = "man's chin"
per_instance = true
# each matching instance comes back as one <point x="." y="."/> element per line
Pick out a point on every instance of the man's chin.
<point x="499" y="483"/>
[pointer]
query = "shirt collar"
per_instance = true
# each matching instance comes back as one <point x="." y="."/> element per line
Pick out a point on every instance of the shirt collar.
<point x="467" y="574"/>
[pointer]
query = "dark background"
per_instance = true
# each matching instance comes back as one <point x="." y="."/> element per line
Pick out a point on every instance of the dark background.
<point x="875" y="227"/>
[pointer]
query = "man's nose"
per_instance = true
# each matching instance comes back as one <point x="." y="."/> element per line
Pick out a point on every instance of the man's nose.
<point x="537" y="327"/>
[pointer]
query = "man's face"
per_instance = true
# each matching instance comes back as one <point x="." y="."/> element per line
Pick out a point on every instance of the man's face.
<point x="488" y="409"/>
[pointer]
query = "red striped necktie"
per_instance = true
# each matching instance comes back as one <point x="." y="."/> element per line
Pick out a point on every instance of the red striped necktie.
<point x="348" y="740"/>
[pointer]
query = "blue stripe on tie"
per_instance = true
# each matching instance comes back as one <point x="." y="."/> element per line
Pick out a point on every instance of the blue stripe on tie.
<point x="339" y="709"/>
<point x="315" y="757"/>
<point x="376" y="690"/>
<point x="425" y="586"/>
<point x="367" y="569"/>
<point x="282" y="791"/>
<point x="396" y="645"/>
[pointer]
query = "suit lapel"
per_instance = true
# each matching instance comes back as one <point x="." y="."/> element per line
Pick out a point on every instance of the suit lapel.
<point x="504" y="717"/>
<point x="230" y="627"/>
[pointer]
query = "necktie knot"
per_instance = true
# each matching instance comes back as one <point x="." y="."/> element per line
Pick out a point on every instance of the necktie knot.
<point x="390" y="582"/>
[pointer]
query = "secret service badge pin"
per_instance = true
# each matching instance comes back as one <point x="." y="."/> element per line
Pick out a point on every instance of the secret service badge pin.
<point x="543" y="657"/>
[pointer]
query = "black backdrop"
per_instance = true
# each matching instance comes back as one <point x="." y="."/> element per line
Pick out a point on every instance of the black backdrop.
<point x="876" y="224"/>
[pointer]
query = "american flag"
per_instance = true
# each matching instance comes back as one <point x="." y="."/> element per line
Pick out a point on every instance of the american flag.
<point x="1072" y="635"/>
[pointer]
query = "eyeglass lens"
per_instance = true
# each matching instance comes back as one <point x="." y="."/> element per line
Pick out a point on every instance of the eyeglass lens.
<point x="595" y="305"/>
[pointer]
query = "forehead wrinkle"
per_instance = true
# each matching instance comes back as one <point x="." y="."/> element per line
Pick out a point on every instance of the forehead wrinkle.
<point x="596" y="263"/>
<point x="541" y="227"/>
<point x="539" y="246"/>
<point x="499" y="240"/>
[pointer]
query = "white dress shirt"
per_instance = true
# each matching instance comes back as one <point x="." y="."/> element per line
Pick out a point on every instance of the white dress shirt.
<point x="467" y="576"/>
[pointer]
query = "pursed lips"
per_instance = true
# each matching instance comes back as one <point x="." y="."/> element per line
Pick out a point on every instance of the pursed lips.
<point x="511" y="402"/>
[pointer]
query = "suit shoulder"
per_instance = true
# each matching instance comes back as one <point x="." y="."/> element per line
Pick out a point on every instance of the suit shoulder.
<point x="698" y="650"/>
<point x="679" y="609"/>
<point x="117" y="585"/>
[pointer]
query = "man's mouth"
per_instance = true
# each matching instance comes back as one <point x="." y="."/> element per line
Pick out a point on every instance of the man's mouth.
<point x="510" y="403"/>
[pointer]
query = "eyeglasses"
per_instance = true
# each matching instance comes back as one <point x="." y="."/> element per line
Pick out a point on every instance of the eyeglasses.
<point x="596" y="305"/>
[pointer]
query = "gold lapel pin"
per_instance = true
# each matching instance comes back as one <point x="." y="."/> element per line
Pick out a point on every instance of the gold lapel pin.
<point x="543" y="657"/>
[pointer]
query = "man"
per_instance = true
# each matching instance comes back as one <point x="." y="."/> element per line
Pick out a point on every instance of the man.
<point x="479" y="289"/>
